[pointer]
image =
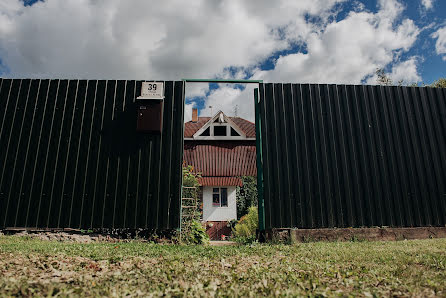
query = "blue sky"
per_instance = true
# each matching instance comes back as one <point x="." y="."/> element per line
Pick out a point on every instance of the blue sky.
<point x="306" y="41"/>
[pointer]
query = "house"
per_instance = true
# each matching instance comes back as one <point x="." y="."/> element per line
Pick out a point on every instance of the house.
<point x="222" y="149"/>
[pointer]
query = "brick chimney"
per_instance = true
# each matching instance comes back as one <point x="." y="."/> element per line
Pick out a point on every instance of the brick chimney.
<point x="194" y="115"/>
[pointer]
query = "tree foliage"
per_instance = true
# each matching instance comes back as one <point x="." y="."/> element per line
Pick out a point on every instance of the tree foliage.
<point x="385" y="80"/>
<point x="246" y="195"/>
<point x="190" y="178"/>
<point x="440" y="83"/>
<point x="382" y="78"/>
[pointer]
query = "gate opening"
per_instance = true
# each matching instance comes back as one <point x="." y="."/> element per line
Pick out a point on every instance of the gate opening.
<point x="222" y="149"/>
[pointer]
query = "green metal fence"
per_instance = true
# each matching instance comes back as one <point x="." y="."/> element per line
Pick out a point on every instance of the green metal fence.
<point x="70" y="156"/>
<point x="353" y="156"/>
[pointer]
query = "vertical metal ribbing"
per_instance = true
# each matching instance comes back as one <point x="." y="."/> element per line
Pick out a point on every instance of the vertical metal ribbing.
<point x="387" y="211"/>
<point x="266" y="157"/>
<point x="298" y="160"/>
<point x="421" y="176"/>
<point x="279" y="196"/>
<point x="6" y="109"/>
<point x="46" y="155"/>
<point x="99" y="150"/>
<point x="309" y="214"/>
<point x="437" y="108"/>
<point x="127" y="170"/>
<point x="83" y="198"/>
<point x="434" y="155"/>
<point x="410" y="154"/>
<point x="16" y="156"/>
<point x="138" y="173"/>
<point x="335" y="157"/>
<point x="93" y="111"/>
<point x="79" y="145"/>
<point x="389" y="158"/>
<point x="287" y="98"/>
<point x="167" y="193"/>
<point x="404" y="159"/>
<point x="68" y="154"/>
<point x="77" y="159"/>
<point x="326" y="196"/>
<point x="370" y="155"/>
<point x="118" y="164"/>
<point x="27" y="152"/>
<point x="158" y="181"/>
<point x="363" y="160"/>
<point x="62" y="132"/>
<point x="4" y="115"/>
<point x="7" y="147"/>
<point x="57" y="158"/>
<point x="106" y="184"/>
<point x="282" y="155"/>
<point x="314" y="98"/>
<point x="356" y="202"/>
<point x="36" y="158"/>
<point x="148" y="184"/>
<point x="393" y="133"/>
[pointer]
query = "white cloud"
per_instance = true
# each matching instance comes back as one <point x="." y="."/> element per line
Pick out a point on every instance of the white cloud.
<point x="229" y="100"/>
<point x="405" y="71"/>
<point x="440" y="45"/>
<point x="427" y="4"/>
<point x="349" y="50"/>
<point x="148" y="39"/>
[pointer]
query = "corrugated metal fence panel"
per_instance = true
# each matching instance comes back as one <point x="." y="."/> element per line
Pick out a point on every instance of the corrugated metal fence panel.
<point x="70" y="156"/>
<point x="353" y="156"/>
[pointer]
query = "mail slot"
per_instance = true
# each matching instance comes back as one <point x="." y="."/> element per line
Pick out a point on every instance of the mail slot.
<point x="150" y="116"/>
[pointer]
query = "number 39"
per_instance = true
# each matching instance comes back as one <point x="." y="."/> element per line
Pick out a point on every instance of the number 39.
<point x="151" y="87"/>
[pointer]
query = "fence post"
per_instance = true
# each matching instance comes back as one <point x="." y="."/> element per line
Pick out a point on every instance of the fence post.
<point x="259" y="161"/>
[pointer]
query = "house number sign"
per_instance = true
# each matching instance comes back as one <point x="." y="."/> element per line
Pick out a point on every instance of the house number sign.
<point x="152" y="90"/>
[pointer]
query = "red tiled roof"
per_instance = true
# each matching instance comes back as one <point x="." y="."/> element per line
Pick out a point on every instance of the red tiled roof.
<point x="190" y="128"/>
<point x="220" y="181"/>
<point x="221" y="158"/>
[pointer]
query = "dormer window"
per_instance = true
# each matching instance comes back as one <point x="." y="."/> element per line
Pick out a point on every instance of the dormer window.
<point x="220" y="127"/>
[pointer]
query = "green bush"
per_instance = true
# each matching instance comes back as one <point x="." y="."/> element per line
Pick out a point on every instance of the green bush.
<point x="196" y="234"/>
<point x="245" y="229"/>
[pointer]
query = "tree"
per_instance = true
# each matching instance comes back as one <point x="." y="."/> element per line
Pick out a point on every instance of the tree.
<point x="385" y="80"/>
<point x="382" y="77"/>
<point x="440" y="83"/>
<point x="246" y="195"/>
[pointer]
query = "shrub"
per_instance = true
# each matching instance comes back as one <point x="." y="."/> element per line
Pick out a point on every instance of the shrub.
<point x="196" y="234"/>
<point x="245" y="229"/>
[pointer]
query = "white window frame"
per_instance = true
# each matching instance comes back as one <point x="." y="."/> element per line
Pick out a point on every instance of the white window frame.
<point x="219" y="204"/>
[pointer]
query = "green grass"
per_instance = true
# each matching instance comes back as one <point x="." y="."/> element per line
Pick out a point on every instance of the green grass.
<point x="33" y="267"/>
